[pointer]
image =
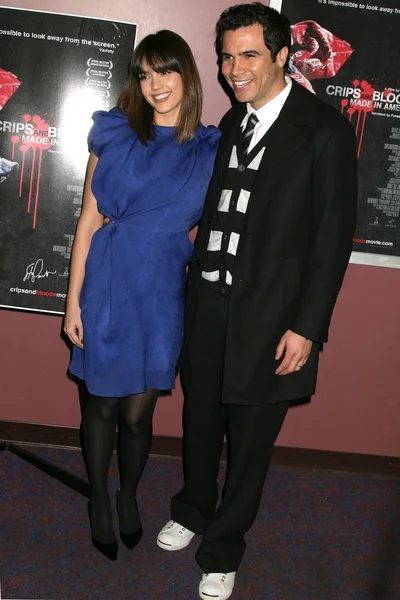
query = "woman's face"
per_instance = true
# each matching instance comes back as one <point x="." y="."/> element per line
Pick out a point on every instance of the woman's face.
<point x="163" y="91"/>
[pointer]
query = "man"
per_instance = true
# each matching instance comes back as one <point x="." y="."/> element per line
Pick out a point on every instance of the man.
<point x="269" y="260"/>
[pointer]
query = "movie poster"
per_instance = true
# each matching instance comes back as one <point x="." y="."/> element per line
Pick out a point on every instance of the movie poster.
<point x="55" y="71"/>
<point x="345" y="52"/>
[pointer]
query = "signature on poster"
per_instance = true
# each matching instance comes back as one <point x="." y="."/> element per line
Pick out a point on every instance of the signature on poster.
<point x="36" y="270"/>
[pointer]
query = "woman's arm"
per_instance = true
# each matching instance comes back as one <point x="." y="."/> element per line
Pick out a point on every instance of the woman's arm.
<point x="89" y="222"/>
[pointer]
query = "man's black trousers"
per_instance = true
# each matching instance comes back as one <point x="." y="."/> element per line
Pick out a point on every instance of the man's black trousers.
<point x="251" y="431"/>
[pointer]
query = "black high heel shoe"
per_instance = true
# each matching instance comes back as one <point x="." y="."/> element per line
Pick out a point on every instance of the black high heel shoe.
<point x="130" y="540"/>
<point x="108" y="549"/>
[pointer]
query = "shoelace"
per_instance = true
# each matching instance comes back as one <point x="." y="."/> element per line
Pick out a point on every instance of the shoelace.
<point x="173" y="523"/>
<point x="223" y="576"/>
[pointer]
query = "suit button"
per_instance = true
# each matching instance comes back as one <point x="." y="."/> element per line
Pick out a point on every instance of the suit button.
<point x="209" y="220"/>
<point x="197" y="262"/>
<point x="223" y="291"/>
<point x="241" y="168"/>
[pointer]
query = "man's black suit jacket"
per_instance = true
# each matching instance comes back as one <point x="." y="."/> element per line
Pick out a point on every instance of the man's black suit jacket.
<point x="294" y="249"/>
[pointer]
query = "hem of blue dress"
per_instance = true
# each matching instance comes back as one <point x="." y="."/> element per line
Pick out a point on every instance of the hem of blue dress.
<point x="162" y="385"/>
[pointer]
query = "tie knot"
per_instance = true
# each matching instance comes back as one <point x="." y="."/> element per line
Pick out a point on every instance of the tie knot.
<point x="253" y="119"/>
<point x="248" y="132"/>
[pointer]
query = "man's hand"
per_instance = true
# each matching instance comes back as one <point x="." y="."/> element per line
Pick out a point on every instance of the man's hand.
<point x="295" y="350"/>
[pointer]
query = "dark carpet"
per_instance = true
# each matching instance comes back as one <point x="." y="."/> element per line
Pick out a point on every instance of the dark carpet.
<point x="319" y="536"/>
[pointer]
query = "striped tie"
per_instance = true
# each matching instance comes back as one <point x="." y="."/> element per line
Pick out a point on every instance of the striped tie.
<point x="248" y="132"/>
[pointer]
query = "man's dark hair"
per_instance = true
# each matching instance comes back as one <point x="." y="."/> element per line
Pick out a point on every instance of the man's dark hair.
<point x="162" y="51"/>
<point x="276" y="27"/>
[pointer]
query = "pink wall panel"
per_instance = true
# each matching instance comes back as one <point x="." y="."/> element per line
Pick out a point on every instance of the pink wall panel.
<point x="356" y="408"/>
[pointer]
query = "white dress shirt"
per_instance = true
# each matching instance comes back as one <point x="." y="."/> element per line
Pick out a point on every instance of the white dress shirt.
<point x="267" y="114"/>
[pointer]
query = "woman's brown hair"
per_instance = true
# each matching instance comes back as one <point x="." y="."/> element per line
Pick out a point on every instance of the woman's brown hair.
<point x="162" y="51"/>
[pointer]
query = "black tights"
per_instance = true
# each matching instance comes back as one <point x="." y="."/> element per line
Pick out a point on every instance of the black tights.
<point x="134" y="416"/>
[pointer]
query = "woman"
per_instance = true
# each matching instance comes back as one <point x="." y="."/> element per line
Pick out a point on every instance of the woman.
<point x="149" y="168"/>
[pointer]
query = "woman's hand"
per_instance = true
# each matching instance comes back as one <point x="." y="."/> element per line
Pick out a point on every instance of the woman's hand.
<point x="73" y="325"/>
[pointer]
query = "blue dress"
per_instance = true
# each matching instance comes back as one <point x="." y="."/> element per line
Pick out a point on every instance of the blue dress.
<point x="132" y="297"/>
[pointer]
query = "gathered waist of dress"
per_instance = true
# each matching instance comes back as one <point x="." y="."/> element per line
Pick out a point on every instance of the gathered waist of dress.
<point x="144" y="222"/>
<point x="165" y="236"/>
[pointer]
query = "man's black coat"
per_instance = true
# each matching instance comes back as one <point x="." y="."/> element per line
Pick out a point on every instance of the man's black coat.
<point x="293" y="251"/>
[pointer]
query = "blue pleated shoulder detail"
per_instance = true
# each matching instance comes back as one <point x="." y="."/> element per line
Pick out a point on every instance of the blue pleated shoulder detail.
<point x="107" y="126"/>
<point x="211" y="133"/>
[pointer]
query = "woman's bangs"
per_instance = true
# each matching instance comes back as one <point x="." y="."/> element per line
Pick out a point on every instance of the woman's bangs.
<point x="160" y="61"/>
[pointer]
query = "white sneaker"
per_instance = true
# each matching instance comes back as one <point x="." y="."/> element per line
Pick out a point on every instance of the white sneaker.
<point x="217" y="585"/>
<point x="174" y="536"/>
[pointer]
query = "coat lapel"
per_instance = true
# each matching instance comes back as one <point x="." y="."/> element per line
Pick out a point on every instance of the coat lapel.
<point x="226" y="143"/>
<point x="294" y="125"/>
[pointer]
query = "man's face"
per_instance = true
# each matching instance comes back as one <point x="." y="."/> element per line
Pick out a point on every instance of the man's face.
<point x="248" y="67"/>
